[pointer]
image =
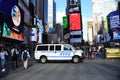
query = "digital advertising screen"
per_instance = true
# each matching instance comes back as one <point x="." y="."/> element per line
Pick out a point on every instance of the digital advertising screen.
<point x="34" y="34"/>
<point x="65" y="21"/>
<point x="113" y="20"/>
<point x="7" y="32"/>
<point x="112" y="52"/>
<point x="75" y="21"/>
<point x="116" y="35"/>
<point x="74" y="9"/>
<point x="13" y="15"/>
<point x="75" y="40"/>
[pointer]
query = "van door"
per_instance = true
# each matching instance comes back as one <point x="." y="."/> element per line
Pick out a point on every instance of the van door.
<point x="67" y="52"/>
<point x="51" y="52"/>
<point x="58" y="52"/>
<point x="54" y="52"/>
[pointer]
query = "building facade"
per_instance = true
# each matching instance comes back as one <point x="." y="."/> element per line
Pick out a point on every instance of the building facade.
<point x="100" y="10"/>
<point x="74" y="15"/>
<point x="51" y="13"/>
<point x="13" y="23"/>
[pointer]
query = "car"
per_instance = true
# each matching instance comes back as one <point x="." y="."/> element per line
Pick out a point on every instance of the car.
<point x="46" y="52"/>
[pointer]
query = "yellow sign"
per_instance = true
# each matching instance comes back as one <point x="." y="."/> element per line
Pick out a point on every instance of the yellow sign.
<point x="112" y="52"/>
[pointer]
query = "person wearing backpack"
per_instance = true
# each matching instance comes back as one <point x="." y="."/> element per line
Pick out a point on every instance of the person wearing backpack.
<point x="24" y="57"/>
<point x="14" y="55"/>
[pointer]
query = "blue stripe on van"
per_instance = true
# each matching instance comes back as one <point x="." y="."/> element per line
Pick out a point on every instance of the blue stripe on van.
<point x="59" y="56"/>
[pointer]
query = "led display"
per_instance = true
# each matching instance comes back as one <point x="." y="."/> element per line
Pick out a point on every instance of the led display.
<point x="65" y="22"/>
<point x="75" y="21"/>
<point x="113" y="20"/>
<point x="116" y="35"/>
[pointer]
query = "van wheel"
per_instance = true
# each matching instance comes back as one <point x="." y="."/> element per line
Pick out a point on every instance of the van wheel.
<point x="76" y="59"/>
<point x="43" y="59"/>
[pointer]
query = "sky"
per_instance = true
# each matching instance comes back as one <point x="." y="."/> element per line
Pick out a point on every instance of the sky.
<point x="86" y="9"/>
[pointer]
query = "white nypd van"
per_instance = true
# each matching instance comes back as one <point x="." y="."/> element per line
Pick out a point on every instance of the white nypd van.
<point x="45" y="52"/>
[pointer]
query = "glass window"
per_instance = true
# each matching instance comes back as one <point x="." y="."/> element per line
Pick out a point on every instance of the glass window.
<point x="67" y="48"/>
<point x="52" y="48"/>
<point x="42" y="48"/>
<point x="58" y="47"/>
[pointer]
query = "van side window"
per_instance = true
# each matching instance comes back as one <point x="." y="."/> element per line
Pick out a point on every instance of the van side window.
<point x="42" y="48"/>
<point x="67" y="48"/>
<point x="58" y="48"/>
<point x="51" y="48"/>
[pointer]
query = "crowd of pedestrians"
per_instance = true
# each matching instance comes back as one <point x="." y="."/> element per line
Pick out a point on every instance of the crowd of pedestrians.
<point x="93" y="51"/>
<point x="14" y="54"/>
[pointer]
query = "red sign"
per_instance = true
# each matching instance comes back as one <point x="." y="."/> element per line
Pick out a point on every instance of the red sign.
<point x="75" y="21"/>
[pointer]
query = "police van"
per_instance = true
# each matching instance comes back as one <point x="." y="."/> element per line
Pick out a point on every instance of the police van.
<point x="45" y="52"/>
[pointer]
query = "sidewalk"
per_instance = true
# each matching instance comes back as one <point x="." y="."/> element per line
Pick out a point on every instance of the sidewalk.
<point x="102" y="60"/>
<point x="9" y="68"/>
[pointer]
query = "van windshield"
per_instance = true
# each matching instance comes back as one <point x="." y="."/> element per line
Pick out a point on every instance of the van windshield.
<point x="72" y="47"/>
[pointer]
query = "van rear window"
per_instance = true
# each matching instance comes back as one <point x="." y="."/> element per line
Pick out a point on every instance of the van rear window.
<point x="52" y="48"/>
<point x="42" y="48"/>
<point x="58" y="47"/>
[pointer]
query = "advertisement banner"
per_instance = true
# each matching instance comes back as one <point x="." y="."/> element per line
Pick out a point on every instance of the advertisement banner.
<point x="75" y="40"/>
<point x="65" y="22"/>
<point x="75" y="21"/>
<point x="74" y="9"/>
<point x="116" y="35"/>
<point x="34" y="34"/>
<point x="75" y="32"/>
<point x="113" y="52"/>
<point x="106" y="24"/>
<point x="113" y="18"/>
<point x="11" y="34"/>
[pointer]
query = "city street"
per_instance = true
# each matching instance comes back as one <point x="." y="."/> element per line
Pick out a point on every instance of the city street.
<point x="47" y="30"/>
<point x="88" y="70"/>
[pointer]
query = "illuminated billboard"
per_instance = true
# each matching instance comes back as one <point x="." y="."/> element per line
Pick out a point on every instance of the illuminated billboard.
<point x="65" y="20"/>
<point x="116" y="35"/>
<point x="16" y="15"/>
<point x="112" y="52"/>
<point x="11" y="34"/>
<point x="13" y="15"/>
<point x="75" y="21"/>
<point x="75" y="40"/>
<point x="113" y="19"/>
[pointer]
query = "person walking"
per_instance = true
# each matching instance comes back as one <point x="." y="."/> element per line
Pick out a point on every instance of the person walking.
<point x="3" y="53"/>
<point x="14" y="55"/>
<point x="24" y="57"/>
<point x="89" y="52"/>
<point x="103" y="52"/>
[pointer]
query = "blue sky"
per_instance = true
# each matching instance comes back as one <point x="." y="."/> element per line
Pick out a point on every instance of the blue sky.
<point x="86" y="9"/>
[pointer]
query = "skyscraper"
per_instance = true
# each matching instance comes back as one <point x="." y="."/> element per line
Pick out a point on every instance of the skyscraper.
<point x="51" y="13"/>
<point x="101" y="8"/>
<point x="73" y="12"/>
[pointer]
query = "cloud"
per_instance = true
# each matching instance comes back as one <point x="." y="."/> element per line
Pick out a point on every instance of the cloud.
<point x="59" y="16"/>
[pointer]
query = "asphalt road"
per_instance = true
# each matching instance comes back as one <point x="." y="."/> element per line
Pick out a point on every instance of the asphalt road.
<point x="88" y="70"/>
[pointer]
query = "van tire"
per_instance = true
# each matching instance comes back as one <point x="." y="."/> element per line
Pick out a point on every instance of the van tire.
<point x="43" y="59"/>
<point x="76" y="59"/>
